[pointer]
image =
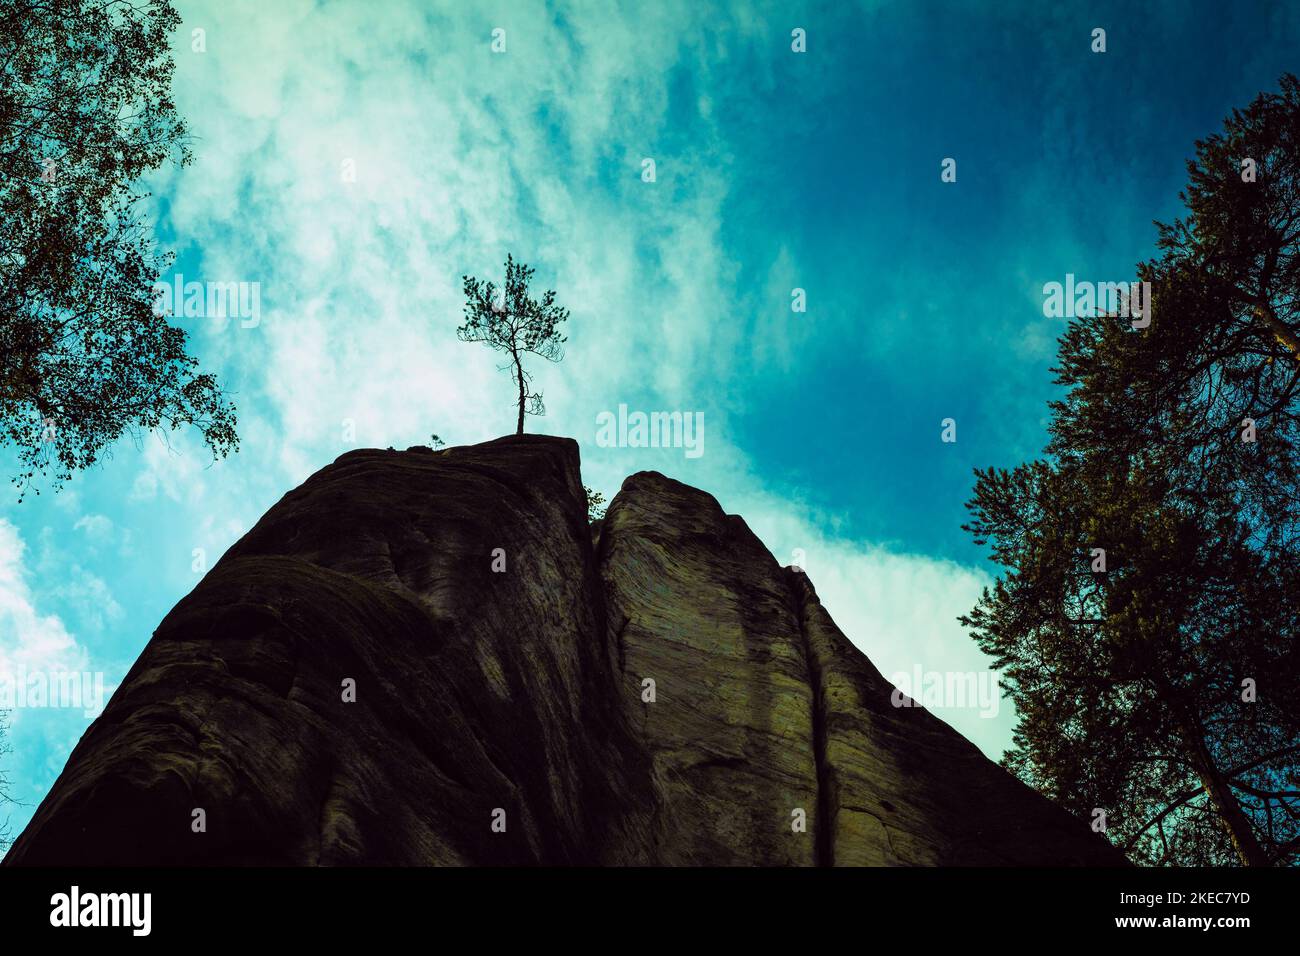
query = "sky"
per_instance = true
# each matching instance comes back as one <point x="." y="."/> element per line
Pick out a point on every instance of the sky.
<point x="355" y="159"/>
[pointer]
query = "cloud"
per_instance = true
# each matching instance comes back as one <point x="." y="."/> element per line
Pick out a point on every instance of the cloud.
<point x="173" y="465"/>
<point x="98" y="528"/>
<point x="29" y="640"/>
<point x="38" y="646"/>
<point x="86" y="596"/>
<point x="459" y="158"/>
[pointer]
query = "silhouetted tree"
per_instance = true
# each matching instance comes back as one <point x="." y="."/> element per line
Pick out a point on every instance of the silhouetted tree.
<point x="85" y="110"/>
<point x="1157" y="681"/>
<point x="511" y="321"/>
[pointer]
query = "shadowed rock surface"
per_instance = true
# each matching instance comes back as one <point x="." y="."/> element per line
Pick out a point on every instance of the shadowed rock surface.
<point x="520" y="691"/>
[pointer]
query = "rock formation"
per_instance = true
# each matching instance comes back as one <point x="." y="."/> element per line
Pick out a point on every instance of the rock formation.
<point x="500" y="650"/>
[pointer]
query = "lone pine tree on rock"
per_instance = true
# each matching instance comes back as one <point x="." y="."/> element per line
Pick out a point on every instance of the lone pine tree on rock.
<point x="512" y="321"/>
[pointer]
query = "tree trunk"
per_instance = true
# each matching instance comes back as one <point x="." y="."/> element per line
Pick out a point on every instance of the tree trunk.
<point x="523" y="395"/>
<point x="1224" y="801"/>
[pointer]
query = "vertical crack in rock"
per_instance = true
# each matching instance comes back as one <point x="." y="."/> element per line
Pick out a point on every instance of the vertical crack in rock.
<point x="622" y="645"/>
<point x="824" y="819"/>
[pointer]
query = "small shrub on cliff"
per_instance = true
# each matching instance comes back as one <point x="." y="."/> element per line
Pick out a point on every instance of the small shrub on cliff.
<point x="595" y="504"/>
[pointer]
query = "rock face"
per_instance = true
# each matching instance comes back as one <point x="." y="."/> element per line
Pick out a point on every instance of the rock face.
<point x="518" y="696"/>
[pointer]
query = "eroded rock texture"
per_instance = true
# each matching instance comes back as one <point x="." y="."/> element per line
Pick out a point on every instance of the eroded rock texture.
<point x="521" y="691"/>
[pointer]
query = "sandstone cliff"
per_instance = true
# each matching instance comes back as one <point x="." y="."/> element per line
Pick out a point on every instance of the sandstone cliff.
<point x="520" y="691"/>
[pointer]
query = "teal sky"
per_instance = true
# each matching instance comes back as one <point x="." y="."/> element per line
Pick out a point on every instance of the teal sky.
<point x="775" y="170"/>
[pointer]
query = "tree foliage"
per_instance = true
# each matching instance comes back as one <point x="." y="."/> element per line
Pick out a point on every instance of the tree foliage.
<point x="595" y="504"/>
<point x="1134" y="674"/>
<point x="510" y="320"/>
<point x="85" y="111"/>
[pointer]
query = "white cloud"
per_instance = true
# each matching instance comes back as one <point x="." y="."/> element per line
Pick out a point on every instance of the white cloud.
<point x="87" y="596"/>
<point x="145" y="486"/>
<point x="29" y="640"/>
<point x="456" y="165"/>
<point x="98" y="528"/>
<point x="173" y="465"/>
